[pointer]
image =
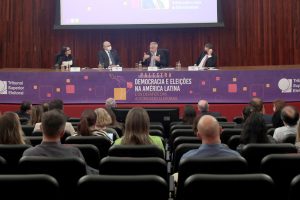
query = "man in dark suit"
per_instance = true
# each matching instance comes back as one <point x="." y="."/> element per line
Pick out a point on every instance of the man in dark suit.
<point x="155" y="57"/>
<point x="207" y="58"/>
<point x="203" y="108"/>
<point x="108" y="56"/>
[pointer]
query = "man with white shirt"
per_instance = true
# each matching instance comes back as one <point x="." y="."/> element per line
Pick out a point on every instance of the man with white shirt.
<point x="108" y="56"/>
<point x="207" y="58"/>
<point x="155" y="57"/>
<point x="290" y="118"/>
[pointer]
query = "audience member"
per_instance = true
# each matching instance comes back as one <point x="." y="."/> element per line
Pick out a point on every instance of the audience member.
<point x="114" y="122"/>
<point x="45" y="107"/>
<point x="36" y="115"/>
<point x="10" y="129"/>
<point x="254" y="130"/>
<point x="290" y="117"/>
<point x="203" y="108"/>
<point x="209" y="132"/>
<point x="278" y="105"/>
<point x="25" y="110"/>
<point x="258" y="105"/>
<point x="189" y="115"/>
<point x="247" y="111"/>
<point x="195" y="124"/>
<point x="58" y="105"/>
<point x="110" y="103"/>
<point x="53" y="126"/>
<point x="137" y="126"/>
<point x="102" y="123"/>
<point x="86" y="126"/>
<point x="298" y="137"/>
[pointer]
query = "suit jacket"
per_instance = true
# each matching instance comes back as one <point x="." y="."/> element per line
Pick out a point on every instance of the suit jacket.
<point x="104" y="59"/>
<point x="163" y="59"/>
<point x="211" y="62"/>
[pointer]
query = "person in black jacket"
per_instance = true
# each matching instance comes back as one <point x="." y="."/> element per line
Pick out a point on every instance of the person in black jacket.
<point x="65" y="55"/>
<point x="108" y="56"/>
<point x="207" y="58"/>
<point x="155" y="57"/>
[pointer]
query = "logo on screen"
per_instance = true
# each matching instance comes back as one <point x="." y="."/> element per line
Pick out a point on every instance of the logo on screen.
<point x="285" y="85"/>
<point x="3" y="87"/>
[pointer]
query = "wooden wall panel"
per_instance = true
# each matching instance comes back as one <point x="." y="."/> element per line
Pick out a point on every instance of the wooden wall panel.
<point x="256" y="32"/>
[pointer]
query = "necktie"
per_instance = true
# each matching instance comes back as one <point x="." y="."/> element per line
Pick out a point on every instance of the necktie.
<point x="152" y="62"/>
<point x="112" y="61"/>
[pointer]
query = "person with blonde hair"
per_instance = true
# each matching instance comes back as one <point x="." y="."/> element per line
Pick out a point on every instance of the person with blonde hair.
<point x="102" y="122"/>
<point x="137" y="125"/>
<point x="10" y="129"/>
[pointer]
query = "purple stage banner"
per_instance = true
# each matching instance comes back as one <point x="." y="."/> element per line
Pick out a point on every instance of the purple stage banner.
<point x="94" y="86"/>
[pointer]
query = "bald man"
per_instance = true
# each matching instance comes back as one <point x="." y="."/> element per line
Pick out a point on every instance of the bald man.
<point x="108" y="56"/>
<point x="203" y="108"/>
<point x="290" y="118"/>
<point x="155" y="57"/>
<point x="209" y="132"/>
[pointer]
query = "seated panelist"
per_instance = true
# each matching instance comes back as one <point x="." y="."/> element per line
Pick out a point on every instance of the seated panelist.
<point x="207" y="58"/>
<point x="64" y="58"/>
<point x="108" y="56"/>
<point x="155" y="57"/>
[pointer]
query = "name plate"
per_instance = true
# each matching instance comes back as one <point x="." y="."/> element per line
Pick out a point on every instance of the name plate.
<point x="117" y="69"/>
<point x="75" y="69"/>
<point x="152" y="69"/>
<point x="193" y="68"/>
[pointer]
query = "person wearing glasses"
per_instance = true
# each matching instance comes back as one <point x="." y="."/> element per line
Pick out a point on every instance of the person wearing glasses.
<point x="108" y="56"/>
<point x="64" y="58"/>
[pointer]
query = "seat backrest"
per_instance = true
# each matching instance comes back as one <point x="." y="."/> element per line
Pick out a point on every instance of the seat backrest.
<point x="20" y="186"/>
<point x="227" y="124"/>
<point x="180" y="126"/>
<point x="157" y="126"/>
<point x="134" y="166"/>
<point x="156" y="132"/>
<point x="282" y="168"/>
<point x="228" y="132"/>
<point x="12" y="154"/>
<point x="73" y="119"/>
<point x="295" y="188"/>
<point x="3" y="165"/>
<point x="146" y="187"/>
<point x="90" y="153"/>
<point x="102" y="143"/>
<point x="231" y="187"/>
<point x="185" y="140"/>
<point x="254" y="153"/>
<point x="234" y="141"/>
<point x="135" y="151"/>
<point x="179" y="151"/>
<point x="238" y="119"/>
<point x="221" y="165"/>
<point x="67" y="171"/>
<point x="290" y="138"/>
<point x="180" y="132"/>
<point x="27" y="129"/>
<point x="34" y="140"/>
<point x="222" y="119"/>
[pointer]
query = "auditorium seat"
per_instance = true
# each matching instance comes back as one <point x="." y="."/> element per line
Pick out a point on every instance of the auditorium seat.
<point x="228" y="125"/>
<point x="73" y="119"/>
<point x="222" y="119"/>
<point x="254" y="153"/>
<point x="233" y="187"/>
<point x="134" y="166"/>
<point x="180" y="132"/>
<point x="156" y="132"/>
<point x="157" y="126"/>
<point x="180" y="126"/>
<point x="228" y="132"/>
<point x="90" y="153"/>
<point x="290" y="138"/>
<point x="295" y="188"/>
<point x="33" y="187"/>
<point x="271" y="131"/>
<point x="23" y="121"/>
<point x="2" y="165"/>
<point x="102" y="143"/>
<point x="145" y="187"/>
<point x="67" y="171"/>
<point x="238" y="120"/>
<point x="282" y="168"/>
<point x="191" y="166"/>
<point x="135" y="151"/>
<point x="34" y="140"/>
<point x="179" y="151"/>
<point x="185" y="140"/>
<point x="234" y="141"/>
<point x="27" y="129"/>
<point x="12" y="154"/>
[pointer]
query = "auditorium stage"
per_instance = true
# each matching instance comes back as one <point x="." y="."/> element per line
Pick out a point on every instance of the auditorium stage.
<point x="228" y="85"/>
